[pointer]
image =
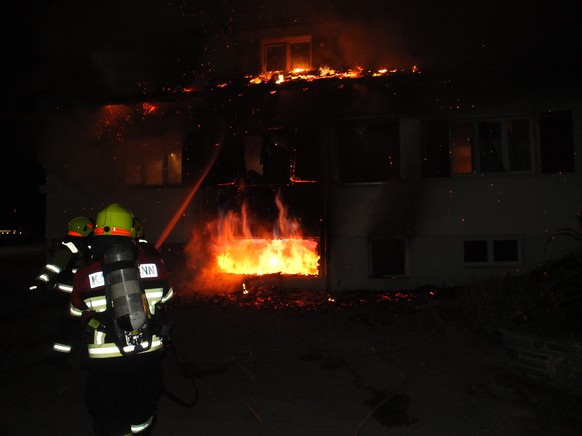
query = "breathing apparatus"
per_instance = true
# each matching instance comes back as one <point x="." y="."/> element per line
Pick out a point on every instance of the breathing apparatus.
<point x="127" y="305"/>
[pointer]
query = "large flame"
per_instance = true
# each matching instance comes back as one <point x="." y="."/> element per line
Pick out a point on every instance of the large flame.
<point x="238" y="251"/>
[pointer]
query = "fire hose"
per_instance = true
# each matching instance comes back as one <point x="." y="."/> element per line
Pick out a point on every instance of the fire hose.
<point x="190" y="196"/>
<point x="188" y="375"/>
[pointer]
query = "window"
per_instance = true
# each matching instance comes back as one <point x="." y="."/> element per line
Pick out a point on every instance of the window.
<point x="434" y="140"/>
<point x="491" y="252"/>
<point x="155" y="170"/>
<point x="388" y="257"/>
<point x="369" y="150"/>
<point x="280" y="155"/>
<point x="287" y="54"/>
<point x="557" y="142"/>
<point x="491" y="146"/>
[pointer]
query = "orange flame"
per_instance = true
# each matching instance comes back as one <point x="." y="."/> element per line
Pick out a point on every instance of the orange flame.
<point x="238" y="251"/>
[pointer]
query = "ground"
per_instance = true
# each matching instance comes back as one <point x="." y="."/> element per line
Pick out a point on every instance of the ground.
<point x="289" y="363"/>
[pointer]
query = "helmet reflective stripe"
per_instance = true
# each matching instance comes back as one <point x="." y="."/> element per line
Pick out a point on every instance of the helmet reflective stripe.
<point x="71" y="247"/>
<point x="117" y="231"/>
<point x="138" y="428"/>
<point x="74" y="311"/>
<point x="64" y="288"/>
<point x="54" y="268"/>
<point x="62" y="348"/>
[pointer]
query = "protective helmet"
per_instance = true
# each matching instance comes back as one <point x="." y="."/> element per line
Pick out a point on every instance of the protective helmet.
<point x="80" y="226"/>
<point x="115" y="220"/>
<point x="138" y="228"/>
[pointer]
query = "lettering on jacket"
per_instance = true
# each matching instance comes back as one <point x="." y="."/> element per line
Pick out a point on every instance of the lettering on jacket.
<point x="146" y="271"/>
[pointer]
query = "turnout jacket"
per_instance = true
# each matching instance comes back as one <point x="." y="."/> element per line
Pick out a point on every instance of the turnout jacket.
<point x="68" y="256"/>
<point x="88" y="302"/>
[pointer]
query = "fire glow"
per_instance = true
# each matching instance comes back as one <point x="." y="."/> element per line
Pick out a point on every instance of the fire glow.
<point x="285" y="251"/>
<point x="323" y="73"/>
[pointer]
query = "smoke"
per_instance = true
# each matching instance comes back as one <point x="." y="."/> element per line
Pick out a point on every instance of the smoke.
<point x="374" y="45"/>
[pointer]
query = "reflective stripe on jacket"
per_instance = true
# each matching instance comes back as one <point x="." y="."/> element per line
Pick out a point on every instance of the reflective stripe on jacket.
<point x="89" y="302"/>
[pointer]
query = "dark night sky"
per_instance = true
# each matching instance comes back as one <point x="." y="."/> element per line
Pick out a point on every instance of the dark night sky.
<point x="71" y="49"/>
<point x="57" y="53"/>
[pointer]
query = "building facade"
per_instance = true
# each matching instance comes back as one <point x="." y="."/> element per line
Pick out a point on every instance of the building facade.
<point x="404" y="178"/>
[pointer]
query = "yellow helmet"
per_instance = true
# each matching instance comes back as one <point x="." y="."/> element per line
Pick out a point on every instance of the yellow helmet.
<point x="115" y="220"/>
<point x="80" y="226"/>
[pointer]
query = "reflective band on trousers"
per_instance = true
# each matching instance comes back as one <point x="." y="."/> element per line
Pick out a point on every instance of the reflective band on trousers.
<point x="100" y="351"/>
<point x="138" y="428"/>
<point x="61" y="348"/>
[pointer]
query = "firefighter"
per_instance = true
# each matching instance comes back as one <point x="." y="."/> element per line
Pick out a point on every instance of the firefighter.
<point x="120" y="299"/>
<point x="72" y="252"/>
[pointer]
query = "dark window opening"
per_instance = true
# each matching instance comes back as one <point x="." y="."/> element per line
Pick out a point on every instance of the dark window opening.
<point x="434" y="140"/>
<point x="490" y="147"/>
<point x="518" y="145"/>
<point x="491" y="251"/>
<point x="369" y="150"/>
<point x="475" y="251"/>
<point x="198" y="151"/>
<point x="505" y="251"/>
<point x="557" y="142"/>
<point x="387" y="257"/>
<point x="276" y="57"/>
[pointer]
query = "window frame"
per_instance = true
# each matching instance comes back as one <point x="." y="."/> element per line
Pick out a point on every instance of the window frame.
<point x="490" y="254"/>
<point x="286" y="42"/>
<point x="476" y="161"/>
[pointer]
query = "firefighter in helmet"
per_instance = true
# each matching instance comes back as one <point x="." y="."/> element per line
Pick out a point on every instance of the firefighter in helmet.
<point x="119" y="297"/>
<point x="63" y="260"/>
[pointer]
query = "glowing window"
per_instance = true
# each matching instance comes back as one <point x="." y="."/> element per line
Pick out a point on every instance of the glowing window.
<point x="286" y="54"/>
<point x="491" y="146"/>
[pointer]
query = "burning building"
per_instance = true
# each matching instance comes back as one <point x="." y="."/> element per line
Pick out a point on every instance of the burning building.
<point x="376" y="177"/>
